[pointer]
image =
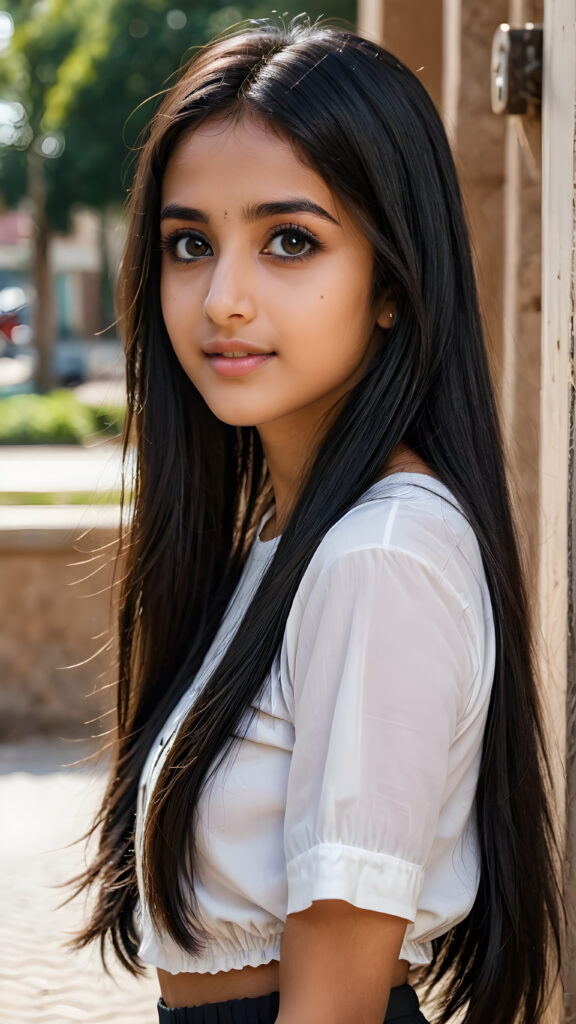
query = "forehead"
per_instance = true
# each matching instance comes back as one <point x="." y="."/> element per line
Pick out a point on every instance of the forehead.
<point x="238" y="161"/>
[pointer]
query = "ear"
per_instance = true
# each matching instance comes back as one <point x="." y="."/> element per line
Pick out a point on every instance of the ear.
<point x="386" y="313"/>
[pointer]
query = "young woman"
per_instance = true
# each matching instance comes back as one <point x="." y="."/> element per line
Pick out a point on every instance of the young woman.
<point x="329" y="762"/>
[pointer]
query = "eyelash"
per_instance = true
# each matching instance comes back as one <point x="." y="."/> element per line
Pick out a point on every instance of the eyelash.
<point x="295" y="229"/>
<point x="169" y="243"/>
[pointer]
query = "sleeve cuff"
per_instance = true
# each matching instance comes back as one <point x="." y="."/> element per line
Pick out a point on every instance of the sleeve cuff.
<point x="364" y="878"/>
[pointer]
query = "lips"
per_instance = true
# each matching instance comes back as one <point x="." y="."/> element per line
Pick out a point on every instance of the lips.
<point x="238" y="364"/>
<point x="234" y="346"/>
<point x="236" y="358"/>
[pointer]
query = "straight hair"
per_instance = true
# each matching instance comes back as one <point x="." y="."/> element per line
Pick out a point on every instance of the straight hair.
<point x="362" y="120"/>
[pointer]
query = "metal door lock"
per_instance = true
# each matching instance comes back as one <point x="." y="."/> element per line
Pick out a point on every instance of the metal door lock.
<point x="516" y="77"/>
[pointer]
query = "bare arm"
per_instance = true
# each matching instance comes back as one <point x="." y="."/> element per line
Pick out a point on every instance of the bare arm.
<point x="338" y="964"/>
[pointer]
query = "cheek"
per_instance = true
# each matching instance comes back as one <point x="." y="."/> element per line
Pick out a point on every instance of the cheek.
<point x="177" y="306"/>
<point x="349" y="284"/>
<point x="345" y="311"/>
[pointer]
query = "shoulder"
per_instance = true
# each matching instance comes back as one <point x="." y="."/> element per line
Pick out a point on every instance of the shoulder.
<point x="403" y="564"/>
<point x="398" y="581"/>
<point x="408" y="520"/>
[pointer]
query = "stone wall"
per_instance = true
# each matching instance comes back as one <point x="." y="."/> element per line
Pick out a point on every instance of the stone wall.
<point x="56" y="566"/>
<point x="448" y="43"/>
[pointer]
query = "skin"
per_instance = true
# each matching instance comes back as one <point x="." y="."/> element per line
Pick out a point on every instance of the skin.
<point x="233" y="277"/>
<point x="313" y="312"/>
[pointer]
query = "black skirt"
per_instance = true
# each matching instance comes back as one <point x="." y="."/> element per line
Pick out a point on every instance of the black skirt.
<point x="403" y="1006"/>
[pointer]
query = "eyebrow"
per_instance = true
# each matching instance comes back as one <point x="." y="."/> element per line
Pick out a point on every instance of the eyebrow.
<point x="252" y="212"/>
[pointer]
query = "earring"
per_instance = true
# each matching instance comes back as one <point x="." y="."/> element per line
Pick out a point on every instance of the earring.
<point x="387" y="319"/>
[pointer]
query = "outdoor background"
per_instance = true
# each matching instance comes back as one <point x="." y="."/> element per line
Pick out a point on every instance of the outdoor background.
<point x="76" y="81"/>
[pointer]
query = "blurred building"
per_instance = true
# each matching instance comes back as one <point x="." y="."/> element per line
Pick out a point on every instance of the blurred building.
<point x="77" y="267"/>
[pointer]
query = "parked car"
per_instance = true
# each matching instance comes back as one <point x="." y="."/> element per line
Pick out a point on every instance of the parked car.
<point x="14" y="316"/>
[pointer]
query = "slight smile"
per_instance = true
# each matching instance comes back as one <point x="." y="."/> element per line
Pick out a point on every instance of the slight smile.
<point x="237" y="364"/>
<point x="235" y="358"/>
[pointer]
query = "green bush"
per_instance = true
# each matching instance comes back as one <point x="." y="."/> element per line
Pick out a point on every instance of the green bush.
<point x="109" y="419"/>
<point x="57" y="418"/>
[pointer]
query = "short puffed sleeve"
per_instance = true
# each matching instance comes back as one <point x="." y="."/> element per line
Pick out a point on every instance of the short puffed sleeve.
<point x="381" y="662"/>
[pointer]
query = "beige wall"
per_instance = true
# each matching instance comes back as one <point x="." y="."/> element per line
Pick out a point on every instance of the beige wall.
<point x="413" y="31"/>
<point x="451" y="42"/>
<point x="498" y="160"/>
<point x="53" y="614"/>
<point x="521" y="309"/>
<point x="557" y="587"/>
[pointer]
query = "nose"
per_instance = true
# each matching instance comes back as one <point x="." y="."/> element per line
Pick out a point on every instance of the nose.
<point x="231" y="290"/>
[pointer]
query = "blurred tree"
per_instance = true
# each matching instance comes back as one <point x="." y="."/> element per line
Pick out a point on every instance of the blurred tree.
<point x="44" y="34"/>
<point x="88" y="74"/>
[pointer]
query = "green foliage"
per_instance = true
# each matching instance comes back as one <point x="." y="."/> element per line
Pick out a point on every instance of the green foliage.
<point x="60" y="497"/>
<point x="13" y="176"/>
<point x="91" y="70"/>
<point x="108" y="419"/>
<point x="56" y="418"/>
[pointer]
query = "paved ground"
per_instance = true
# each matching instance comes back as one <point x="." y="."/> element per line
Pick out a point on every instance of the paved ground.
<point x="15" y="373"/>
<point x="54" y="468"/>
<point x="43" y="808"/>
<point x="61" y="468"/>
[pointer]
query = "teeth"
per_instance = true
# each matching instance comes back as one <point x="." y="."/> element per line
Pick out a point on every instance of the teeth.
<point x="234" y="355"/>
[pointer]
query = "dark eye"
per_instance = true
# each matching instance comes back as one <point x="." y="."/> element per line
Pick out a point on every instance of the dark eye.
<point x="190" y="247"/>
<point x="290" y="243"/>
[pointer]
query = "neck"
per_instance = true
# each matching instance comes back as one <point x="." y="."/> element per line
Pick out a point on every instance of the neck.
<point x="288" y="460"/>
<point x="290" y="444"/>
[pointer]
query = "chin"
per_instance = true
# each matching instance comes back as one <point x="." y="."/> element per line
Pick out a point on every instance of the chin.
<point x="233" y="417"/>
<point x="240" y="414"/>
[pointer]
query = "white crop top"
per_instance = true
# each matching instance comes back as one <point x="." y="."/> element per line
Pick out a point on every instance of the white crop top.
<point x="356" y="777"/>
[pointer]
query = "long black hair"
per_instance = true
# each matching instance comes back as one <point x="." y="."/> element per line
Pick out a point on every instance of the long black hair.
<point x="361" y="119"/>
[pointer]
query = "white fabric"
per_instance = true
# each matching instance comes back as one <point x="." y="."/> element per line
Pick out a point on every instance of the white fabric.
<point x="356" y="777"/>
